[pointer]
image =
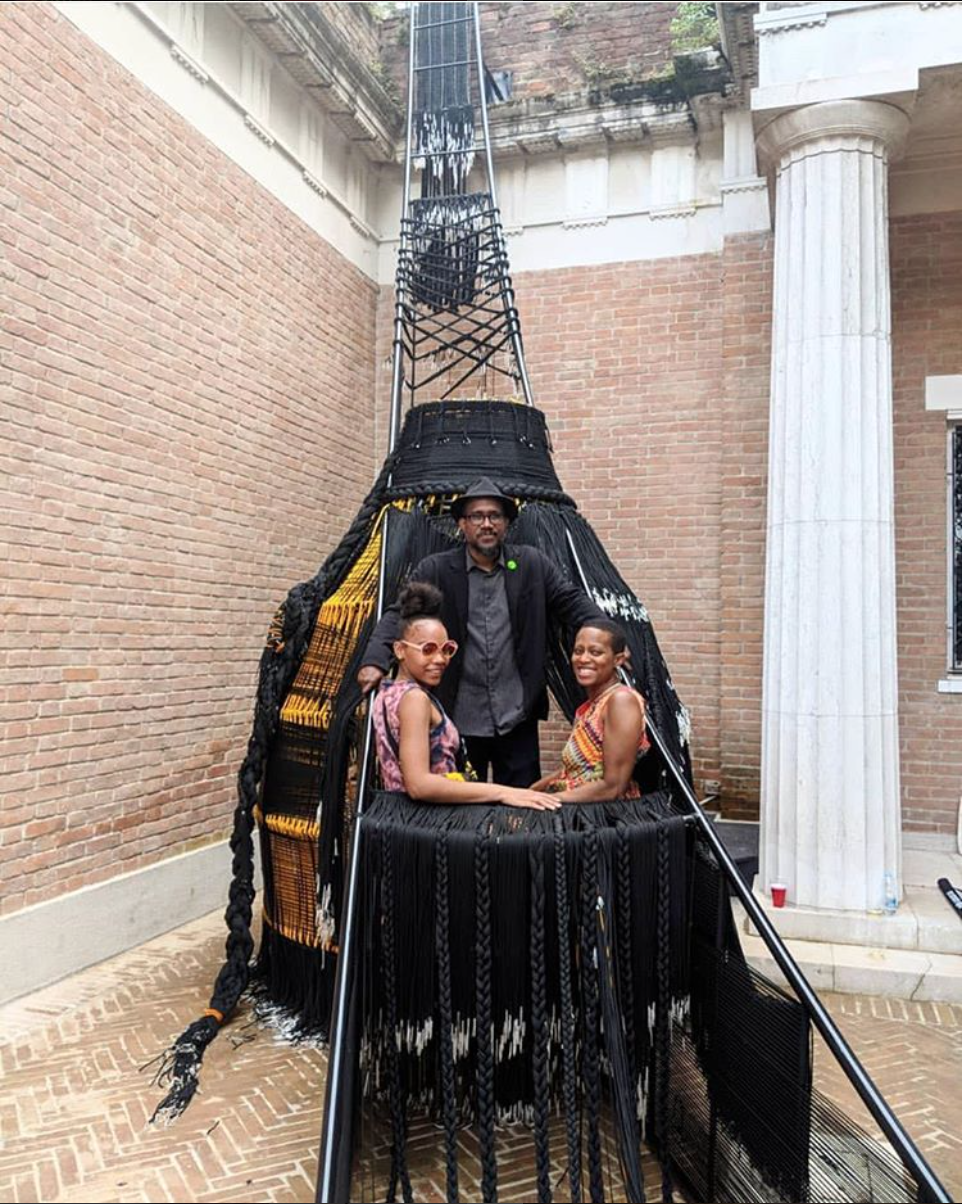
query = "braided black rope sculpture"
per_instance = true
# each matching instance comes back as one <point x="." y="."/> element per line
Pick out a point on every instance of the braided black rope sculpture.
<point x="442" y="934"/>
<point x="610" y="1050"/>
<point x="287" y="645"/>
<point x="566" y="998"/>
<point x="485" y="1041"/>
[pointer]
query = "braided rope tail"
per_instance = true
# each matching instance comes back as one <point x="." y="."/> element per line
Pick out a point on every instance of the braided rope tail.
<point x="443" y="954"/>
<point x="569" y="1063"/>
<point x="626" y="978"/>
<point x="485" y="1051"/>
<point x="663" y="1031"/>
<point x="589" y="977"/>
<point x="179" y="1069"/>
<point x="539" y="1023"/>
<point x="620" y="1068"/>
<point x="179" y="1066"/>
<point x="399" y="1168"/>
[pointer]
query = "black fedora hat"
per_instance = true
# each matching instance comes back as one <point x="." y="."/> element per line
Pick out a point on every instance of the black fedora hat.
<point x="485" y="487"/>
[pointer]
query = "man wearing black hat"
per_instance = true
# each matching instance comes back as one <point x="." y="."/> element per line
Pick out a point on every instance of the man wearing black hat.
<point x="498" y="600"/>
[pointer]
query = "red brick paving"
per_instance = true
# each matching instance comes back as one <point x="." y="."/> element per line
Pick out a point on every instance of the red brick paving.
<point x="74" y="1109"/>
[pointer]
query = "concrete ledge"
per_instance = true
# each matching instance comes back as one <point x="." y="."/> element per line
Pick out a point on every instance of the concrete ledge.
<point x="854" y="970"/>
<point x="923" y="922"/>
<point x="930" y="842"/>
<point x="42" y="944"/>
<point x="899" y="931"/>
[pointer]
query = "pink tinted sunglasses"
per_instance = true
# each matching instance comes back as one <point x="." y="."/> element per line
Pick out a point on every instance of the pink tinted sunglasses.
<point x="430" y="647"/>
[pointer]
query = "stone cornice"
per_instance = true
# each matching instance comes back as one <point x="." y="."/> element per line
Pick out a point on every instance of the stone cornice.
<point x="258" y="130"/>
<point x="784" y="24"/>
<point x="747" y="184"/>
<point x="319" y="58"/>
<point x="536" y="129"/>
<point x="188" y="63"/>
<point x="740" y="47"/>
<point x="577" y="223"/>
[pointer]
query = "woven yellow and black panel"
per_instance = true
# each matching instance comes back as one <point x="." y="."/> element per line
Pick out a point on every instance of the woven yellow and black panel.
<point x="292" y="962"/>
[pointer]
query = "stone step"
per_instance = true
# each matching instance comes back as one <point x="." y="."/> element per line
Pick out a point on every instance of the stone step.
<point x="912" y="974"/>
<point x="924" y="922"/>
<point x="915" y="954"/>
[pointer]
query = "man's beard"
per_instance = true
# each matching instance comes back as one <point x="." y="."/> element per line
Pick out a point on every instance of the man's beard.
<point x="491" y="553"/>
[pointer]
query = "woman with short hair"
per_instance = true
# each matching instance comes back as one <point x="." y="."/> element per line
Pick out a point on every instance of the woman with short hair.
<point x="608" y="736"/>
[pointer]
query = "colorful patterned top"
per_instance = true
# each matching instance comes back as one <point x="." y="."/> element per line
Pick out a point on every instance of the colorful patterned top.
<point x="444" y="740"/>
<point x="583" y="757"/>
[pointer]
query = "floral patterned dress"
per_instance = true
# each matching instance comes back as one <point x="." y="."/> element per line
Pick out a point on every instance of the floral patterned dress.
<point x="443" y="739"/>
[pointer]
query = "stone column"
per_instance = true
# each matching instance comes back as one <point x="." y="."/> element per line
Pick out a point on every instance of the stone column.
<point x="830" y="812"/>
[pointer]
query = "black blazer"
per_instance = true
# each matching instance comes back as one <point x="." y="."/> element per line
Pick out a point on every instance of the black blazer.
<point x="536" y="591"/>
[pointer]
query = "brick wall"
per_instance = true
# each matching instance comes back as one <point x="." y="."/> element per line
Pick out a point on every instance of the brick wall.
<point x="357" y="24"/>
<point x="554" y="49"/>
<point x="188" y="376"/>
<point x="624" y="360"/>
<point x="746" y="372"/>
<point x="927" y="318"/>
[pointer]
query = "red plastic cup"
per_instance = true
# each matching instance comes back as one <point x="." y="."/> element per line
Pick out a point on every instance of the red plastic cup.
<point x="778" y="890"/>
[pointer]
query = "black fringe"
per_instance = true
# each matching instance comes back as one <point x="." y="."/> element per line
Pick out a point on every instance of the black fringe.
<point x="296" y="983"/>
<point x="522" y="942"/>
<point x="497" y="981"/>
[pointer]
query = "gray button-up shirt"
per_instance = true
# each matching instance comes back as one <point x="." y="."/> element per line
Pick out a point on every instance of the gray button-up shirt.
<point x="490" y="695"/>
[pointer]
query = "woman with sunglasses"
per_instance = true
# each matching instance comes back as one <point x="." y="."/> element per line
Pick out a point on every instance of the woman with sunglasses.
<point x="417" y="744"/>
<point x="608" y="735"/>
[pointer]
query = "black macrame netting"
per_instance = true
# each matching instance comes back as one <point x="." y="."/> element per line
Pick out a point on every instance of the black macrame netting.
<point x="573" y="981"/>
<point x="459" y="313"/>
<point x="456" y="318"/>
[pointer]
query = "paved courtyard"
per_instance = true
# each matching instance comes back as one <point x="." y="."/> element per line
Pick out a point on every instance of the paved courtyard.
<point x="74" y="1109"/>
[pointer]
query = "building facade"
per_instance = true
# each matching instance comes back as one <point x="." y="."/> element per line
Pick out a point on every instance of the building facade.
<point x="736" y="240"/>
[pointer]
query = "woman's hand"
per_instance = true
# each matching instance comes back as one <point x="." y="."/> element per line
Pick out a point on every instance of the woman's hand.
<point x="542" y="784"/>
<point x="519" y="796"/>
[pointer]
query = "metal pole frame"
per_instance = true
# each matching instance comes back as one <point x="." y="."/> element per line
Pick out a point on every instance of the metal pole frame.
<point x="332" y="1101"/>
<point x="507" y="290"/>
<point x="931" y="1190"/>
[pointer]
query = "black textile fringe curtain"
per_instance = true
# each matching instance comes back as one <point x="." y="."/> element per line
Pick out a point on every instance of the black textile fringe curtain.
<point x="565" y="990"/>
<point x="443" y="116"/>
<point x="493" y="991"/>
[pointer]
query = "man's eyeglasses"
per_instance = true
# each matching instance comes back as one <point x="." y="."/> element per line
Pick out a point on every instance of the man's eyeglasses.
<point x="430" y="647"/>
<point x="479" y="517"/>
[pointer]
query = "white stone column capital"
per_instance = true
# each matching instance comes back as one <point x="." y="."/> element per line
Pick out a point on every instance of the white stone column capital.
<point x="842" y="122"/>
